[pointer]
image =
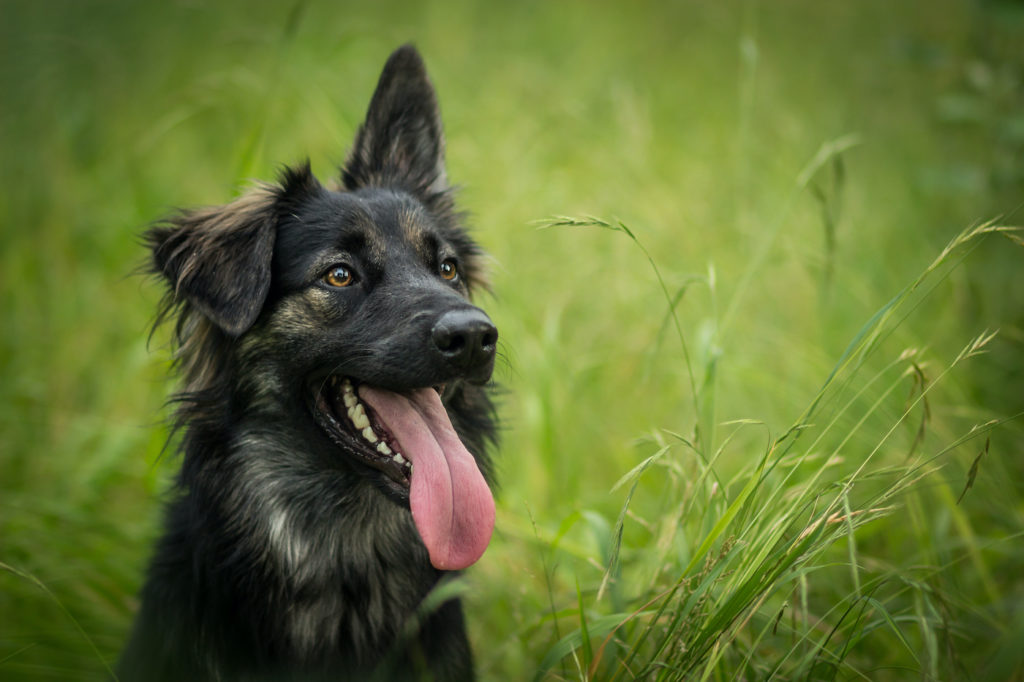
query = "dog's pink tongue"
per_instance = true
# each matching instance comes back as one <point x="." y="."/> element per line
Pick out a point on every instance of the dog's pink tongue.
<point x="451" y="504"/>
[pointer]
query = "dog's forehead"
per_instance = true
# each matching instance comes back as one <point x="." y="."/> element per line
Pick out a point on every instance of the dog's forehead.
<point x="377" y="225"/>
<point x="395" y="220"/>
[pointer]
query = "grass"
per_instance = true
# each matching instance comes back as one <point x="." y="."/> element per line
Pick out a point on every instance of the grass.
<point x="713" y="613"/>
<point x="764" y="422"/>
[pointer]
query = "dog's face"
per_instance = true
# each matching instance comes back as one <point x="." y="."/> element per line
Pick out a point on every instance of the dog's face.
<point x="386" y="284"/>
<point x="357" y="300"/>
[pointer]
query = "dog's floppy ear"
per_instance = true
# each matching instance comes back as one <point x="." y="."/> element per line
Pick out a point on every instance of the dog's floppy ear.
<point x="218" y="259"/>
<point x="401" y="143"/>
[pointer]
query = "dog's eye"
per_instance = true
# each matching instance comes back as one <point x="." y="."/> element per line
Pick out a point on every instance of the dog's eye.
<point x="339" y="276"/>
<point x="448" y="270"/>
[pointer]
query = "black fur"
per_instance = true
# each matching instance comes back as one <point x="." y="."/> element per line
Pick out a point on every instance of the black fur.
<point x="284" y="555"/>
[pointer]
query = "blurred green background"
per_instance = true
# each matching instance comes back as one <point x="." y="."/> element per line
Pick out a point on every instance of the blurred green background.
<point x="689" y="121"/>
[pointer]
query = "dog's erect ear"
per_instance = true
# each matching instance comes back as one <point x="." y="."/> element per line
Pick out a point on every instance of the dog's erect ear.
<point x="218" y="259"/>
<point x="401" y="143"/>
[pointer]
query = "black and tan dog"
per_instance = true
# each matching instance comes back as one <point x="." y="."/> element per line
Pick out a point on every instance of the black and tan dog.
<point x="334" y="419"/>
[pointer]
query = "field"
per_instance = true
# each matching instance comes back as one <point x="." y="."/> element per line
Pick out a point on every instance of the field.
<point x="760" y="301"/>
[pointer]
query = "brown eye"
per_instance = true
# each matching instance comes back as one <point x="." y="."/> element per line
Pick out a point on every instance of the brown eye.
<point x="339" y="276"/>
<point x="448" y="270"/>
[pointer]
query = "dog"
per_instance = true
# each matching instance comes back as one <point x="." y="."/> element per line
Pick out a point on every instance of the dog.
<point x="334" y="419"/>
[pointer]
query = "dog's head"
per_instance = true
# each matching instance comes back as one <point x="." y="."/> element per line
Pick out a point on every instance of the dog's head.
<point x="355" y="303"/>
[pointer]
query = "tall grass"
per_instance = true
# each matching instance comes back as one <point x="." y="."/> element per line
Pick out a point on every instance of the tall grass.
<point x="733" y="601"/>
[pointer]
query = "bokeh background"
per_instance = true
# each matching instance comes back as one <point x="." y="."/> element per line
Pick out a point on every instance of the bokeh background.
<point x="693" y="123"/>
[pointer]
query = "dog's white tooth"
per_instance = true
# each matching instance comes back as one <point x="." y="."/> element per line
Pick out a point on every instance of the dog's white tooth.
<point x="383" y="448"/>
<point x="398" y="458"/>
<point x="359" y="417"/>
<point x="369" y="435"/>
<point x="350" y="399"/>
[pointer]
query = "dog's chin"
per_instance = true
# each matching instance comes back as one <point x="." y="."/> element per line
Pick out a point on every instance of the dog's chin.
<point x="359" y="435"/>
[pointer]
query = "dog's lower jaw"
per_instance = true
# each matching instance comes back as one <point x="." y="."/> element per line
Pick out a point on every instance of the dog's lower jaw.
<point x="330" y="403"/>
<point x="448" y="497"/>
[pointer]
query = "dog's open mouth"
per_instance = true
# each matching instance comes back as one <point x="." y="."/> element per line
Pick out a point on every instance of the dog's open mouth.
<point x="410" y="439"/>
<point x="347" y="420"/>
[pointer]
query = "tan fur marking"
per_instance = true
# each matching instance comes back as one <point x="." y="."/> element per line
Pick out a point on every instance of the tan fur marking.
<point x="409" y="220"/>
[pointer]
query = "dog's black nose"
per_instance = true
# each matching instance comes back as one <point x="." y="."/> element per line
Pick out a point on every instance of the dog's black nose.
<point x="466" y="338"/>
